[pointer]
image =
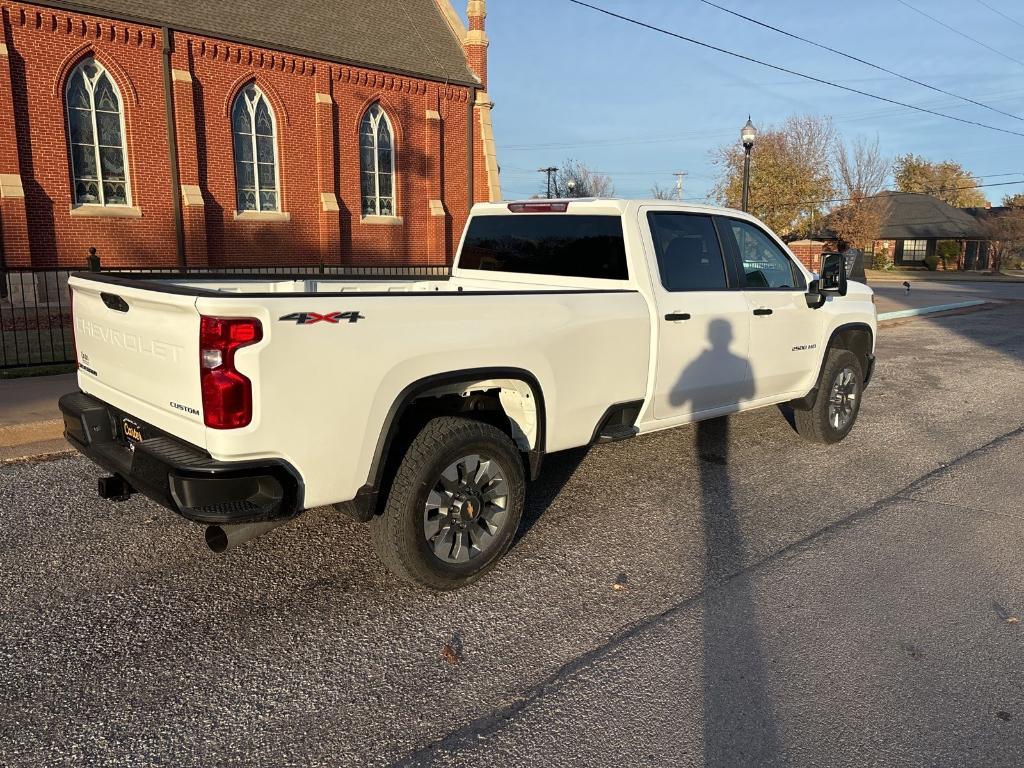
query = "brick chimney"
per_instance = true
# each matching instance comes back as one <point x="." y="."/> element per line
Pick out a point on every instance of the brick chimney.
<point x="475" y="42"/>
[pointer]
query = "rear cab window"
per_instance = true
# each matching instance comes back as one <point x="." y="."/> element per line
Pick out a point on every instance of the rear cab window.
<point x="552" y="244"/>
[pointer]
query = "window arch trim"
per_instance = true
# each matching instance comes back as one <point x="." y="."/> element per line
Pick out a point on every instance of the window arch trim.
<point x="76" y="74"/>
<point x="88" y="51"/>
<point x="273" y="97"/>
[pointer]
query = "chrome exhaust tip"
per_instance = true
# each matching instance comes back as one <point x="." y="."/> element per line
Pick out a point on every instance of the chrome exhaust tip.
<point x="221" y="538"/>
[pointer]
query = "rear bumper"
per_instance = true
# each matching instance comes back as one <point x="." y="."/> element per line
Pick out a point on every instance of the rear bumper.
<point x="178" y="475"/>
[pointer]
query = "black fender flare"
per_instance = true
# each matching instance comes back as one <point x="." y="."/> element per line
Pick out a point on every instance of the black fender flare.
<point x="806" y="402"/>
<point x="364" y="505"/>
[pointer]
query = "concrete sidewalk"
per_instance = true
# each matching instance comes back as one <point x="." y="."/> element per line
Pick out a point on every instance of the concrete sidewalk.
<point x="30" y="423"/>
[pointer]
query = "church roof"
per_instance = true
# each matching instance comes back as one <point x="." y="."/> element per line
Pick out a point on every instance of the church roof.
<point x="401" y="36"/>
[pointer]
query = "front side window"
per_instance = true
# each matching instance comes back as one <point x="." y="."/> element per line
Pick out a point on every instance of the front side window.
<point x="95" y="120"/>
<point x="255" y="138"/>
<point x="689" y="257"/>
<point x="914" y="250"/>
<point x="376" y="163"/>
<point x="764" y="263"/>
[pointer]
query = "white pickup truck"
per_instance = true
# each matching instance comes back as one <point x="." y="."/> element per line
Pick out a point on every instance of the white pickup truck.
<point x="423" y="407"/>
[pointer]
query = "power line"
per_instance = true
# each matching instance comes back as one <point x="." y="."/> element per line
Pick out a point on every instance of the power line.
<point x="813" y="79"/>
<point x="997" y="11"/>
<point x="962" y="34"/>
<point x="860" y="60"/>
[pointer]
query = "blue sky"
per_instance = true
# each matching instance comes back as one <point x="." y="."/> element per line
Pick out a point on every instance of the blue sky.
<point x="569" y="82"/>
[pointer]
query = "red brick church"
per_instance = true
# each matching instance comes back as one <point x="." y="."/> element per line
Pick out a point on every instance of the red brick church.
<point x="189" y="132"/>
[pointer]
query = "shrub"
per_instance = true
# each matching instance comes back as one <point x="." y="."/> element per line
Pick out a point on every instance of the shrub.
<point x="931" y="261"/>
<point x="948" y="252"/>
<point x="880" y="258"/>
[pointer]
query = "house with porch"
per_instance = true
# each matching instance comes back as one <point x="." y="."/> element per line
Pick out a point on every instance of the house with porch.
<point x="913" y="227"/>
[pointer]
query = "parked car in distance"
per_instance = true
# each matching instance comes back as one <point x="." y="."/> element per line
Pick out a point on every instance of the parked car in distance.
<point x="425" y="407"/>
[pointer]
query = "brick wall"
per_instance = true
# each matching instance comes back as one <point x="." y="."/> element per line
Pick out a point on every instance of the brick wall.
<point x="317" y="107"/>
<point x="809" y="251"/>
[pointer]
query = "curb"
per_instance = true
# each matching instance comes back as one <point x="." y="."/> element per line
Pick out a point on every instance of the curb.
<point x="35" y="438"/>
<point x="929" y="310"/>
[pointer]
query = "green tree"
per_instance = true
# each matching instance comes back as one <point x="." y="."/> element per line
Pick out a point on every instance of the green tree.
<point x="790" y="173"/>
<point x="947" y="180"/>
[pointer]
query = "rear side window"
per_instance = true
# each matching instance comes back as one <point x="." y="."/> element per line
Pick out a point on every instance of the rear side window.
<point x="689" y="257"/>
<point x="547" y="244"/>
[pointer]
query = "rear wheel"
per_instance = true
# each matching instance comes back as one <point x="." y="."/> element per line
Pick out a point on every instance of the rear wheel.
<point x="454" y="507"/>
<point x="835" y="409"/>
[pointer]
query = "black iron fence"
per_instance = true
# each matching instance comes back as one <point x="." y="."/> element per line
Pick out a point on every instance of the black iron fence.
<point x="35" y="312"/>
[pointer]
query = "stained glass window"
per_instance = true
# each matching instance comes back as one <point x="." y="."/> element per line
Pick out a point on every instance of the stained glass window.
<point x="255" y="137"/>
<point x="377" y="163"/>
<point x="95" y="118"/>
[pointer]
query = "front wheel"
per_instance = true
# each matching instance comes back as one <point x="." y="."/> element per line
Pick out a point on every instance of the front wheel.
<point x="454" y="507"/>
<point x="835" y="409"/>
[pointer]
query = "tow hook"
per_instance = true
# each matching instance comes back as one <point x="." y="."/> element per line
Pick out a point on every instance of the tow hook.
<point x="114" y="488"/>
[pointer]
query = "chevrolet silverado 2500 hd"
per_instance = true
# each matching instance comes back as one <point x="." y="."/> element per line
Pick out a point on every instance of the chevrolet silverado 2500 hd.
<point x="423" y="407"/>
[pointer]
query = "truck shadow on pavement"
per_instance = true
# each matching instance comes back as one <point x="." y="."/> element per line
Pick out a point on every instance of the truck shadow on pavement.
<point x="557" y="471"/>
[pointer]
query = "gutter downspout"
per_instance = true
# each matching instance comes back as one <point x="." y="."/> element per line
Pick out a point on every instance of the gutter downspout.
<point x="471" y="113"/>
<point x="172" y="146"/>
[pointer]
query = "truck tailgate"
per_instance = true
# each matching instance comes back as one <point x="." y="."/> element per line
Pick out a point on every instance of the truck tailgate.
<point x="138" y="350"/>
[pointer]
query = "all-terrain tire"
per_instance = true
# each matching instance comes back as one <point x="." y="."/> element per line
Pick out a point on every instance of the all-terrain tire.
<point x="398" y="533"/>
<point x="817" y="424"/>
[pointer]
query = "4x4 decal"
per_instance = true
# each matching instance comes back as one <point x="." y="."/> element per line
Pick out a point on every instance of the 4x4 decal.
<point x="308" y="318"/>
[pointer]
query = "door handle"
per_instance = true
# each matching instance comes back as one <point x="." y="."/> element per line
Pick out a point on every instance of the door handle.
<point x="762" y="311"/>
<point x="677" y="316"/>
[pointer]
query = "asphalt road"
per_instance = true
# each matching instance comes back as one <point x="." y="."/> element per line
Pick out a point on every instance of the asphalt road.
<point x="779" y="604"/>
<point x="891" y="295"/>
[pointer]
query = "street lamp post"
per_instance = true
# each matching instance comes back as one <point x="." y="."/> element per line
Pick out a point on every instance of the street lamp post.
<point x="747" y="135"/>
<point x="571" y="186"/>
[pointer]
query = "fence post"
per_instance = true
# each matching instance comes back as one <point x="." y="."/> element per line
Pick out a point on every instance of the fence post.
<point x="93" y="261"/>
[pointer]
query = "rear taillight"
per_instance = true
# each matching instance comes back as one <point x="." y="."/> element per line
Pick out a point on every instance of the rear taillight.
<point x="227" y="394"/>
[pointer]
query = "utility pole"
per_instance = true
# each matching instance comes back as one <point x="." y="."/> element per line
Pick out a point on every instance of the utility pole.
<point x="550" y="172"/>
<point x="679" y="184"/>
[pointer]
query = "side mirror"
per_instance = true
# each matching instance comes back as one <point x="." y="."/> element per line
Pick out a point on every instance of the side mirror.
<point x="833" y="274"/>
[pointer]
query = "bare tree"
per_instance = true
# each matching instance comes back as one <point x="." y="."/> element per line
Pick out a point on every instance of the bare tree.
<point x="1006" y="238"/>
<point x="860" y="172"/>
<point x="860" y="169"/>
<point x="574" y="179"/>
<point x="659" y="192"/>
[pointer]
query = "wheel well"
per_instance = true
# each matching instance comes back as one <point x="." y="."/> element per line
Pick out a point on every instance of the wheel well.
<point x="857" y="339"/>
<point x="513" y="405"/>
